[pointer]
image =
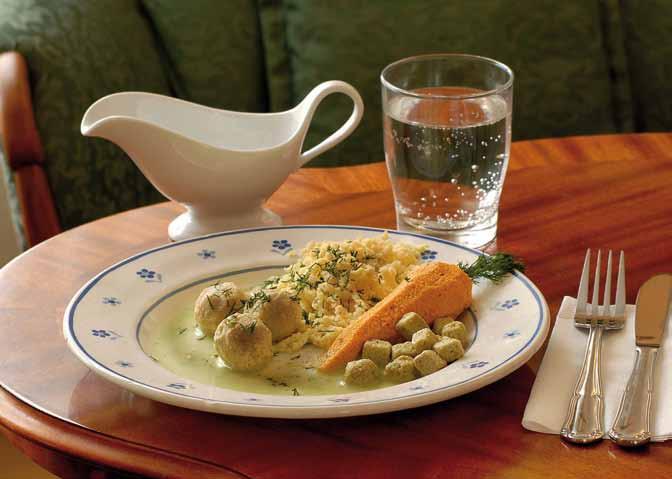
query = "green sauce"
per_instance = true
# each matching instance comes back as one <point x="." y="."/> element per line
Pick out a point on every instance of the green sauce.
<point x="168" y="335"/>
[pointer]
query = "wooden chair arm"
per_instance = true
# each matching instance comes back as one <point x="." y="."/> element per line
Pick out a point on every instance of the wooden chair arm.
<point x="23" y="149"/>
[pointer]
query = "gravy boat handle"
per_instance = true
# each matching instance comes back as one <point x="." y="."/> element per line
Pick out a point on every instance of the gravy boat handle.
<point x="310" y="104"/>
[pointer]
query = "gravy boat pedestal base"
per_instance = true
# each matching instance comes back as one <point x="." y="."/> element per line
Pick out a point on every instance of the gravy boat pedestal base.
<point x="194" y="223"/>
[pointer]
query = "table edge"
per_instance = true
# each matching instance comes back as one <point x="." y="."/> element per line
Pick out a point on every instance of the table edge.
<point x="54" y="433"/>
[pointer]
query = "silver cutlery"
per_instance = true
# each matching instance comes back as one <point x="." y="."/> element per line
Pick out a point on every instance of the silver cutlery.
<point x="584" y="422"/>
<point x="632" y="426"/>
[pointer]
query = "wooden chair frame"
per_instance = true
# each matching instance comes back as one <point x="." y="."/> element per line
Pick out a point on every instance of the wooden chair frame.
<point x="23" y="149"/>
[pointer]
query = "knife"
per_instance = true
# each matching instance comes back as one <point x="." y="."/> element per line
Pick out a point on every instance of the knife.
<point x="632" y="426"/>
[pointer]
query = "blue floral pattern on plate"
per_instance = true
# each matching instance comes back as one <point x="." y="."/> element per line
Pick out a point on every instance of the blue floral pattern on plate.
<point x="505" y="305"/>
<point x="148" y="275"/>
<point x="105" y="334"/>
<point x="428" y="255"/>
<point x="207" y="254"/>
<point x="512" y="334"/>
<point x="124" y="364"/>
<point x="281" y="246"/>
<point x="178" y="386"/>
<point x="111" y="300"/>
<point x="475" y="364"/>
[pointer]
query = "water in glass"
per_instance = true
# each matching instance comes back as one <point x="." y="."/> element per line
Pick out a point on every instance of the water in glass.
<point x="447" y="157"/>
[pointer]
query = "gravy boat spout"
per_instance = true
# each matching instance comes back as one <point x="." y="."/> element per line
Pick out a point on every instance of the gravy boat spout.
<point x="220" y="165"/>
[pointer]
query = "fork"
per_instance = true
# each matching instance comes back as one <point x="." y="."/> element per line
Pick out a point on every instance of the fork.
<point x="585" y="416"/>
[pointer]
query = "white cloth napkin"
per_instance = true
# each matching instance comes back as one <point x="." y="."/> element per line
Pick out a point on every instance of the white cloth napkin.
<point x="559" y="370"/>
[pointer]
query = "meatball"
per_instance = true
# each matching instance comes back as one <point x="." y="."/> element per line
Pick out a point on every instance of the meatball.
<point x="279" y="313"/>
<point x="215" y="303"/>
<point x="244" y="342"/>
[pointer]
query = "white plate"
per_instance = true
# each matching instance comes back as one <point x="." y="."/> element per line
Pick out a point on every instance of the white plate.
<point x="102" y="323"/>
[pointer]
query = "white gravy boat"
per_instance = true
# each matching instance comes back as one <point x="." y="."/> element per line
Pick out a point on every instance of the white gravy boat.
<point x="221" y="165"/>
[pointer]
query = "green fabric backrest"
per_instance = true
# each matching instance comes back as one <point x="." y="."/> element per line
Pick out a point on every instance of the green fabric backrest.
<point x="560" y="52"/>
<point x="214" y="51"/>
<point x="648" y="39"/>
<point x="77" y="52"/>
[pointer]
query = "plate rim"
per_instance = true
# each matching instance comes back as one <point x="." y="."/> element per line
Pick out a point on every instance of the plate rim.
<point x="421" y="398"/>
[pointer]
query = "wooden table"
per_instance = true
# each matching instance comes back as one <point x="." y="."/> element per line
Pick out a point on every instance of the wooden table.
<point x="560" y="197"/>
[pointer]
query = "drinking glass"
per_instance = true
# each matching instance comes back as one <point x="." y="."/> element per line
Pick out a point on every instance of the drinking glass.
<point x="447" y="134"/>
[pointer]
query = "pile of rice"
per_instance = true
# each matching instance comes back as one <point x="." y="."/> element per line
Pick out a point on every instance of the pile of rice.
<point x="336" y="282"/>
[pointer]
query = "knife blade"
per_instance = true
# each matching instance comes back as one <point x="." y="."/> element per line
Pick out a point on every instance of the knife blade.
<point x="653" y="301"/>
<point x="632" y="426"/>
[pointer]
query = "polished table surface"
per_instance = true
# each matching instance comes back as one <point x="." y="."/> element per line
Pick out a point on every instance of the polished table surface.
<point x="560" y="197"/>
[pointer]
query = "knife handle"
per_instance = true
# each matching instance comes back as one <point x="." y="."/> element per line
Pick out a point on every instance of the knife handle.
<point x="632" y="426"/>
<point x="585" y="416"/>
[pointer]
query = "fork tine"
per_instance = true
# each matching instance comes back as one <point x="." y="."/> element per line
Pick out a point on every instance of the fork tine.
<point x="620" y="287"/>
<point x="582" y="295"/>
<point x="594" y="304"/>
<point x="606" y="304"/>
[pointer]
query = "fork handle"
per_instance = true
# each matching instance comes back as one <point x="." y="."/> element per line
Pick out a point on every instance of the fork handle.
<point x="585" y="416"/>
<point x="632" y="426"/>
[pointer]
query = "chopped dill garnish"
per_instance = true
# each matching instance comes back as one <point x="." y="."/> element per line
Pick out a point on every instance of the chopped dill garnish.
<point x="181" y="331"/>
<point x="494" y="268"/>
<point x="210" y="302"/>
<point x="256" y="300"/>
<point x="295" y="357"/>
<point x="249" y="328"/>
<point x="276" y="383"/>
<point x="271" y="283"/>
<point x="295" y="392"/>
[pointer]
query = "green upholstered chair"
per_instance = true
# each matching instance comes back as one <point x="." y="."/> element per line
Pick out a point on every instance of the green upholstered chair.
<point x="582" y="67"/>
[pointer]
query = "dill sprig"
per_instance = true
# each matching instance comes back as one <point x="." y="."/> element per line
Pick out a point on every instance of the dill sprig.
<point x="493" y="267"/>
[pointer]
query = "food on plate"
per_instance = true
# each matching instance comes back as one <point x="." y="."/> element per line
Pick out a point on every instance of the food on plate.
<point x="409" y="324"/>
<point x="433" y="290"/>
<point x="377" y="351"/>
<point x="407" y="348"/>
<point x="449" y="349"/>
<point x="439" y="323"/>
<point x="428" y="362"/>
<point x="455" y="329"/>
<point x="366" y="309"/>
<point x="280" y="313"/>
<point x="361" y="372"/>
<point x="424" y="339"/>
<point x="216" y="303"/>
<point x="244" y="342"/>
<point x="400" y="370"/>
